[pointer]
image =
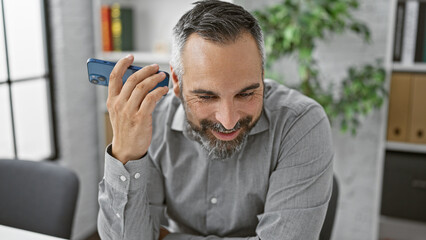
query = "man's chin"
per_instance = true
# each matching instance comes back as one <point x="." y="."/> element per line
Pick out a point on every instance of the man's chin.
<point x="221" y="150"/>
<point x="224" y="147"/>
<point x="218" y="143"/>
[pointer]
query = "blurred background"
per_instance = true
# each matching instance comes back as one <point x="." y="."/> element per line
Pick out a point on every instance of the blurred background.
<point x="364" y="61"/>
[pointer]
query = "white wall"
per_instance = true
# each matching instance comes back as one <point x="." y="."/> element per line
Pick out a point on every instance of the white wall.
<point x="72" y="33"/>
<point x="358" y="160"/>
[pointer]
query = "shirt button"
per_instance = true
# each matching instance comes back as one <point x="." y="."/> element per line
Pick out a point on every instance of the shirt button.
<point x="123" y="178"/>
<point x="118" y="215"/>
<point x="213" y="200"/>
<point x="137" y="175"/>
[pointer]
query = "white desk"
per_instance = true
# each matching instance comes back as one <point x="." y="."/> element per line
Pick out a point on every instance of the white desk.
<point x="9" y="233"/>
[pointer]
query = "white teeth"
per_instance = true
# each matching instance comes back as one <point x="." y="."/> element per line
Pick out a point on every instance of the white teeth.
<point x="227" y="132"/>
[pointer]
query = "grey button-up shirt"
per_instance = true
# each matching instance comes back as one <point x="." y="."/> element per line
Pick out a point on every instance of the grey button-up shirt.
<point x="277" y="187"/>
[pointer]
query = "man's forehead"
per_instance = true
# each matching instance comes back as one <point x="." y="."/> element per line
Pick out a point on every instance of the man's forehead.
<point x="209" y="66"/>
<point x="196" y="42"/>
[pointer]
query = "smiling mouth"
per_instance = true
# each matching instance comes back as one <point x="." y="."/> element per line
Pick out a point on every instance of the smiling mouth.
<point x="226" y="135"/>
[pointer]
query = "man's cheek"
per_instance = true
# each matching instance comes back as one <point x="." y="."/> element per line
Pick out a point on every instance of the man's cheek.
<point x="199" y="111"/>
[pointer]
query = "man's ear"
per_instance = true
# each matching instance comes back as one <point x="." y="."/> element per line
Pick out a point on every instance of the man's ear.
<point x="175" y="80"/>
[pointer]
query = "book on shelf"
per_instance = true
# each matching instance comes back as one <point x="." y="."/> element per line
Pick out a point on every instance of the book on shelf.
<point x="399" y="29"/>
<point x="106" y="28"/>
<point x="117" y="28"/>
<point x="420" y="55"/>
<point x="122" y="28"/>
<point x="410" y="32"/>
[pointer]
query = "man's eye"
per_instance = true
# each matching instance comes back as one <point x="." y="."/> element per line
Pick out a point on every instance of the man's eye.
<point x="244" y="95"/>
<point x="206" y="97"/>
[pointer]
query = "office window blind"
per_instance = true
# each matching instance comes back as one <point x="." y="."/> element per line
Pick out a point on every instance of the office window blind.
<point x="26" y="117"/>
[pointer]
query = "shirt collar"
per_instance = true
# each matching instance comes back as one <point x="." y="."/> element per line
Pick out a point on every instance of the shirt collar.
<point x="179" y="119"/>
<point x="178" y="123"/>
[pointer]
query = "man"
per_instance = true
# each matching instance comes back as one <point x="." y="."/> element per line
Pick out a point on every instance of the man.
<point x="226" y="154"/>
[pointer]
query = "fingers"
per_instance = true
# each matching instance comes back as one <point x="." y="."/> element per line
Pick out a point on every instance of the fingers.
<point x="151" y="100"/>
<point x="136" y="78"/>
<point x="116" y="77"/>
<point x="141" y="89"/>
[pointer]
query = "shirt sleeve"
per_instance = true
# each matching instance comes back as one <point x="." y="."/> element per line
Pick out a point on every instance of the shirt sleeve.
<point x="301" y="184"/>
<point x="299" y="187"/>
<point x="131" y="199"/>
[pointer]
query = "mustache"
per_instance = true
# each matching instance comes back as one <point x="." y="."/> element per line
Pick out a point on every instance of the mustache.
<point x="218" y="127"/>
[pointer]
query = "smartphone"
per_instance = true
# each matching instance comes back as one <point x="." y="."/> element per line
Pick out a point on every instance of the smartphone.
<point x="99" y="71"/>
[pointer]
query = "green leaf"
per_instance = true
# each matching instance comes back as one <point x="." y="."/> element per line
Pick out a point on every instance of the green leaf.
<point x="289" y="33"/>
<point x="305" y="53"/>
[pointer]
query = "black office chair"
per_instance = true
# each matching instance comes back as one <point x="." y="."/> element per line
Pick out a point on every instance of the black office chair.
<point x="327" y="227"/>
<point x="38" y="196"/>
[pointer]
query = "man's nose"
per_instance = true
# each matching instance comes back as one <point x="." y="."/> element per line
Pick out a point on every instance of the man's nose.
<point x="227" y="114"/>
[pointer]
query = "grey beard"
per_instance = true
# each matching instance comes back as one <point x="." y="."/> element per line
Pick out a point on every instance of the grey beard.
<point x="216" y="149"/>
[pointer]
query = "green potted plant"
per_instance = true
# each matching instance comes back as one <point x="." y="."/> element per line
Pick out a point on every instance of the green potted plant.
<point x="292" y="27"/>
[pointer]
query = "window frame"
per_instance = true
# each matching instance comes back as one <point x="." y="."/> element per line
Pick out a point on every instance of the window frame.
<point x="48" y="77"/>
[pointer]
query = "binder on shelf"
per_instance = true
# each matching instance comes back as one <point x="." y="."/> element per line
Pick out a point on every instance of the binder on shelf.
<point x="122" y="28"/>
<point x="399" y="107"/>
<point x="399" y="32"/>
<point x="417" y="131"/>
<point x="410" y="31"/>
<point x="106" y="28"/>
<point x="420" y="55"/>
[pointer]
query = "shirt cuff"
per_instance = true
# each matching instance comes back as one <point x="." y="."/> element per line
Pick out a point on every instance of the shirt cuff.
<point x="129" y="177"/>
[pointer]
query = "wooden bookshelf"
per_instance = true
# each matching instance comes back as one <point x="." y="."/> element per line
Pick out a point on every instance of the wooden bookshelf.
<point x="404" y="158"/>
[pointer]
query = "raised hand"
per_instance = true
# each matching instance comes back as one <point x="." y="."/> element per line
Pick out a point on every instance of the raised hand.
<point x="130" y="107"/>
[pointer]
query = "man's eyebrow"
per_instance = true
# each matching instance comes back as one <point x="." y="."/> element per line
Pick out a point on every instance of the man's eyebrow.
<point x="253" y="86"/>
<point x="202" y="91"/>
<point x="208" y="92"/>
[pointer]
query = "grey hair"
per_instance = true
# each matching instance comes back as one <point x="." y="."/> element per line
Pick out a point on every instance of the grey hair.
<point x="216" y="21"/>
